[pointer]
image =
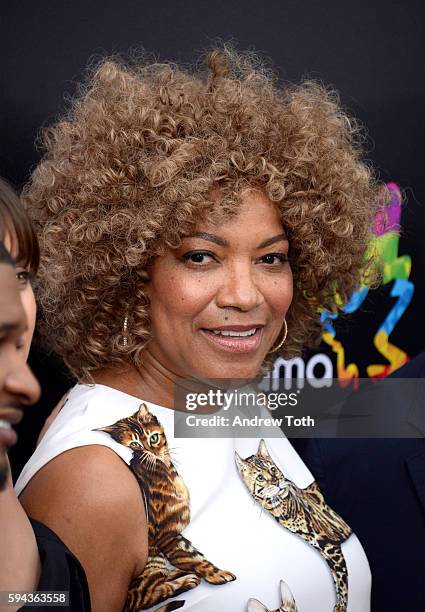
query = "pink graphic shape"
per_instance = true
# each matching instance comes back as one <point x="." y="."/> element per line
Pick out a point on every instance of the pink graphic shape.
<point x="388" y="218"/>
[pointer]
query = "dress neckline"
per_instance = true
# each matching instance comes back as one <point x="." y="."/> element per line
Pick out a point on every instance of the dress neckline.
<point x="124" y="393"/>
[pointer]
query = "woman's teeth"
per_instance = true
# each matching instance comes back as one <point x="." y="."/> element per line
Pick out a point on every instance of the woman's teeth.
<point x="5" y="424"/>
<point x="235" y="340"/>
<point x="236" y="334"/>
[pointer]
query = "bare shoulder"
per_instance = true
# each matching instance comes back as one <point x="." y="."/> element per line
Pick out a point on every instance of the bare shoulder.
<point x="90" y="498"/>
<point x="81" y="480"/>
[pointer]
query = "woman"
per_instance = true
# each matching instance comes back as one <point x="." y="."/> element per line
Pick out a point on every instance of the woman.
<point x="169" y="206"/>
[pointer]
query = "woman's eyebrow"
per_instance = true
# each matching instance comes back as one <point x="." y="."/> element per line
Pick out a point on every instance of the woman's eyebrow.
<point x="224" y="243"/>
<point x="210" y="238"/>
<point x="270" y="241"/>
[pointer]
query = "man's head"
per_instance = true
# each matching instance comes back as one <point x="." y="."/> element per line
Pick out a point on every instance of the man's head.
<point x="18" y="387"/>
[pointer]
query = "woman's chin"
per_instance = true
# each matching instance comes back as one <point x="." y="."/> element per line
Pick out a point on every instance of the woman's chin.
<point x="228" y="372"/>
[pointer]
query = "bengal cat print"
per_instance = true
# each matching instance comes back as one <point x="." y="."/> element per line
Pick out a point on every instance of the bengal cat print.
<point x="286" y="598"/>
<point x="301" y="511"/>
<point x="174" y="565"/>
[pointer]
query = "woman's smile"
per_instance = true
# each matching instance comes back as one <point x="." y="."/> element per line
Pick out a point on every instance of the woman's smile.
<point x="236" y="338"/>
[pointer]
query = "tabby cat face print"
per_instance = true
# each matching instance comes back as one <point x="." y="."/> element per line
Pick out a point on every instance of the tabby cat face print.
<point x="261" y="475"/>
<point x="142" y="432"/>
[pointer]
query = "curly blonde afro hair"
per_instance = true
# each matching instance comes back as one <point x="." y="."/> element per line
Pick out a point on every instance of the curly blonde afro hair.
<point x="131" y="169"/>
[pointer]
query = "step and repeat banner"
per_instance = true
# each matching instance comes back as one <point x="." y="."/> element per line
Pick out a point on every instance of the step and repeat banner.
<point x="372" y="55"/>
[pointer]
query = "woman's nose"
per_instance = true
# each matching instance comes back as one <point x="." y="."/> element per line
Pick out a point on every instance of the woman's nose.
<point x="238" y="288"/>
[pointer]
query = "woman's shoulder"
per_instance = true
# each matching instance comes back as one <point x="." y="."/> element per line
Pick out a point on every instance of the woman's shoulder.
<point x="87" y="409"/>
<point x="92" y="501"/>
<point x="95" y="471"/>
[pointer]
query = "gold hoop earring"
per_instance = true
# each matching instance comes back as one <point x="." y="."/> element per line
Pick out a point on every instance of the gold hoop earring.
<point x="125" y="331"/>
<point x="276" y="348"/>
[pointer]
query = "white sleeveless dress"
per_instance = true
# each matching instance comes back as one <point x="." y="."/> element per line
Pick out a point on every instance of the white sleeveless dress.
<point x="227" y="525"/>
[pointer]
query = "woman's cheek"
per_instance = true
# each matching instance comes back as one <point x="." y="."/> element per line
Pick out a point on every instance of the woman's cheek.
<point x="279" y="293"/>
<point x="185" y="291"/>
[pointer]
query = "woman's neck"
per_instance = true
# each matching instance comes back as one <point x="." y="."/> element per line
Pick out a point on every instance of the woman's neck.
<point x="152" y="382"/>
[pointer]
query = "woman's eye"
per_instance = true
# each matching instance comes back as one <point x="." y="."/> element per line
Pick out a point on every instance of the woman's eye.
<point x="198" y="257"/>
<point x="24" y="277"/>
<point x="275" y="258"/>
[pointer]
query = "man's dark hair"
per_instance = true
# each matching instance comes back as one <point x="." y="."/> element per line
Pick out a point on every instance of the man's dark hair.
<point x="5" y="257"/>
<point x="15" y="222"/>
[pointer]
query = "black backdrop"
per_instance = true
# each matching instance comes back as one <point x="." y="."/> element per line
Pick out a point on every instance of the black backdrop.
<point x="370" y="51"/>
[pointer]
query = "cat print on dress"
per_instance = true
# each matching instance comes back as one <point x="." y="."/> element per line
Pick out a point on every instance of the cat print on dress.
<point x="174" y="565"/>
<point x="301" y="511"/>
<point x="287" y="601"/>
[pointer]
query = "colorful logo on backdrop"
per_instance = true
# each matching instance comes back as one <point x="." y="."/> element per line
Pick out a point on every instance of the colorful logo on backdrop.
<point x="395" y="270"/>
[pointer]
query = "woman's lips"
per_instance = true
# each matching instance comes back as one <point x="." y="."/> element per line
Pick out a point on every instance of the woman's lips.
<point x="235" y="344"/>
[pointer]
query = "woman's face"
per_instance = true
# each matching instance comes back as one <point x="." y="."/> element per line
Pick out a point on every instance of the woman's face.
<point x="27" y="295"/>
<point x="219" y="300"/>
